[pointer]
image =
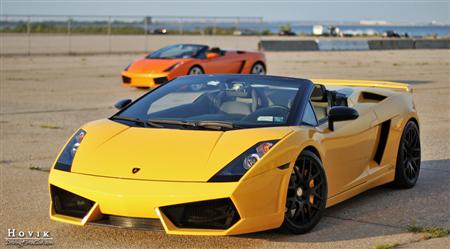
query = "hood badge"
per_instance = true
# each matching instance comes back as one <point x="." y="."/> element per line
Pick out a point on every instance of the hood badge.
<point x="135" y="170"/>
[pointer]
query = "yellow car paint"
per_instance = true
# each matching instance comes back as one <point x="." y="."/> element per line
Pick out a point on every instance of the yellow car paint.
<point x="101" y="171"/>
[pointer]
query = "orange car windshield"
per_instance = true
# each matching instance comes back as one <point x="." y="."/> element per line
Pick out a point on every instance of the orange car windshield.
<point x="235" y="100"/>
<point x="178" y="51"/>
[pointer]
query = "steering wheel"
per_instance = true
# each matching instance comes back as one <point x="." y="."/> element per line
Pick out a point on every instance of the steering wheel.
<point x="285" y="108"/>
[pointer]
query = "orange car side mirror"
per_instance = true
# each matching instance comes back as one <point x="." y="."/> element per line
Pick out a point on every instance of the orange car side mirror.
<point x="212" y="55"/>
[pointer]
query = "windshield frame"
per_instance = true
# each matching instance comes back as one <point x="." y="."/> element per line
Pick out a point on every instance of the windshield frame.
<point x="305" y="89"/>
<point x="201" y="50"/>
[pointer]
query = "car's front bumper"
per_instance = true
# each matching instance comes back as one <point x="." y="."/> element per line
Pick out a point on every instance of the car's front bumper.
<point x="259" y="200"/>
<point x="144" y="80"/>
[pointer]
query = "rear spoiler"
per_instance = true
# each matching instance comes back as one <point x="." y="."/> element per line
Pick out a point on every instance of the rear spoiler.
<point x="365" y="83"/>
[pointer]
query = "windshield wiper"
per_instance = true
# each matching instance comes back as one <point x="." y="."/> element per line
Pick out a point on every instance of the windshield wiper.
<point x="210" y="125"/>
<point x="160" y="122"/>
<point x="218" y="125"/>
<point x="135" y="120"/>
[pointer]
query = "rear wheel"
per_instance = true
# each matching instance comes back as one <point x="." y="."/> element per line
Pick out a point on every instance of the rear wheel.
<point x="307" y="194"/>
<point x="408" y="157"/>
<point x="258" y="68"/>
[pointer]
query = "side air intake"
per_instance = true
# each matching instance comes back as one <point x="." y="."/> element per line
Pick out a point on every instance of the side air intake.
<point x="372" y="97"/>
<point x="384" y="134"/>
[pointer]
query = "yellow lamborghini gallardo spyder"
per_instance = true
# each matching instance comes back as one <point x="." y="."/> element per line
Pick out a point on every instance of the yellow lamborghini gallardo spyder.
<point x="233" y="154"/>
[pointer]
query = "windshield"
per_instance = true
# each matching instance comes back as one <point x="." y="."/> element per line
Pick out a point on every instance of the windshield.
<point x="230" y="101"/>
<point x="178" y="51"/>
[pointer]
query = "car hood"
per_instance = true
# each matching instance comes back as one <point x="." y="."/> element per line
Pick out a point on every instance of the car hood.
<point x="152" y="65"/>
<point x="113" y="150"/>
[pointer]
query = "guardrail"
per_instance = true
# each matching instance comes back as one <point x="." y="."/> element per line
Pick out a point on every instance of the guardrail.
<point x="352" y="44"/>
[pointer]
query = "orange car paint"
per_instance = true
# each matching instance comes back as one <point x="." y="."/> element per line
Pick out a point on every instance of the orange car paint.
<point x="142" y="72"/>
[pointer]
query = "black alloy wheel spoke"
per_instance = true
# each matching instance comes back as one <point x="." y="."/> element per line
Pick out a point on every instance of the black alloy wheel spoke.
<point x="411" y="153"/>
<point x="307" y="179"/>
<point x="298" y="211"/>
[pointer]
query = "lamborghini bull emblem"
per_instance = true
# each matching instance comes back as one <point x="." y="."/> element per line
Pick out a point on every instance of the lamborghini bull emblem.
<point x="135" y="170"/>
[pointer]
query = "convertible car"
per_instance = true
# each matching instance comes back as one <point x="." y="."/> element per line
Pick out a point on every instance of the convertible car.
<point x="185" y="59"/>
<point x="243" y="153"/>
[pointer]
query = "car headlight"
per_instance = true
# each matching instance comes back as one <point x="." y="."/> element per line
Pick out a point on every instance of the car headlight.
<point x="172" y="67"/>
<point x="241" y="164"/>
<point x="65" y="160"/>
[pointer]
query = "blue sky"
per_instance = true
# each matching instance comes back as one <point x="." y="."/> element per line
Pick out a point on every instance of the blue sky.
<point x="270" y="10"/>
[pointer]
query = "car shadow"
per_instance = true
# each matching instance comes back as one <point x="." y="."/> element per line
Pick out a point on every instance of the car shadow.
<point x="380" y="211"/>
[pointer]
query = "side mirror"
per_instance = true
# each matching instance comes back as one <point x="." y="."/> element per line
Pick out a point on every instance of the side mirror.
<point x="341" y="113"/>
<point x="122" y="103"/>
<point x="212" y="55"/>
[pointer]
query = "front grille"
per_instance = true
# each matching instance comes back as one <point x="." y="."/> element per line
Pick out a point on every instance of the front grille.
<point x="67" y="203"/>
<point x="129" y="222"/>
<point x="161" y="80"/>
<point x="126" y="80"/>
<point x="211" y="214"/>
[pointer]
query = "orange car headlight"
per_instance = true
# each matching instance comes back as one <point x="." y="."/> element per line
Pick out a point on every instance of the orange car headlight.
<point x="172" y="67"/>
<point x="241" y="164"/>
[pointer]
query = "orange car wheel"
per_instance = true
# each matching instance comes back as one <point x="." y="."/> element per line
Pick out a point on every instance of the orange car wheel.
<point x="258" y="68"/>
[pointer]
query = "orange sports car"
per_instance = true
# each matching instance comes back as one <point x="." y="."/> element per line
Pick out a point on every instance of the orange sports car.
<point x="182" y="59"/>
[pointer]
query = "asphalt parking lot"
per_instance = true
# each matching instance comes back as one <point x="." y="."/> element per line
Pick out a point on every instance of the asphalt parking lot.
<point x="44" y="99"/>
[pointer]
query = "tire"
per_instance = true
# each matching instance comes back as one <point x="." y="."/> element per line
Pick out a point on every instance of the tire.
<point x="195" y="70"/>
<point x="258" y="68"/>
<point x="310" y="195"/>
<point x="408" y="157"/>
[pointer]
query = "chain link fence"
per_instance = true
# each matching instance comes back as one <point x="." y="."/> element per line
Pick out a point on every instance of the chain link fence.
<point x="38" y="34"/>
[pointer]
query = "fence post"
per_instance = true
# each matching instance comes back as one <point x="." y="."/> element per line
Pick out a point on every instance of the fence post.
<point x="145" y="34"/>
<point x="69" y="33"/>
<point x="109" y="34"/>
<point x="238" y="23"/>
<point x="29" y="35"/>
<point x="180" y="26"/>
<point x="261" y="26"/>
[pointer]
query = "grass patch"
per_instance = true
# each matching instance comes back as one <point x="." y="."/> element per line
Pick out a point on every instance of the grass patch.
<point x="431" y="232"/>
<point x="386" y="246"/>
<point x="49" y="126"/>
<point x="39" y="168"/>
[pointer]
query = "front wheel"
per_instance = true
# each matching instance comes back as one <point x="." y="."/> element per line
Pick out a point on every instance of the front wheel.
<point x="195" y="70"/>
<point x="258" y="68"/>
<point x="307" y="194"/>
<point x="408" y="157"/>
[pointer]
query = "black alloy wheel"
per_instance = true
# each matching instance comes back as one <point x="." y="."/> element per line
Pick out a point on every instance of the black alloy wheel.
<point x="408" y="157"/>
<point x="307" y="194"/>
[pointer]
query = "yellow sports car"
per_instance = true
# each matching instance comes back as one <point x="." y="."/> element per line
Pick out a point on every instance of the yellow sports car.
<point x="236" y="154"/>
